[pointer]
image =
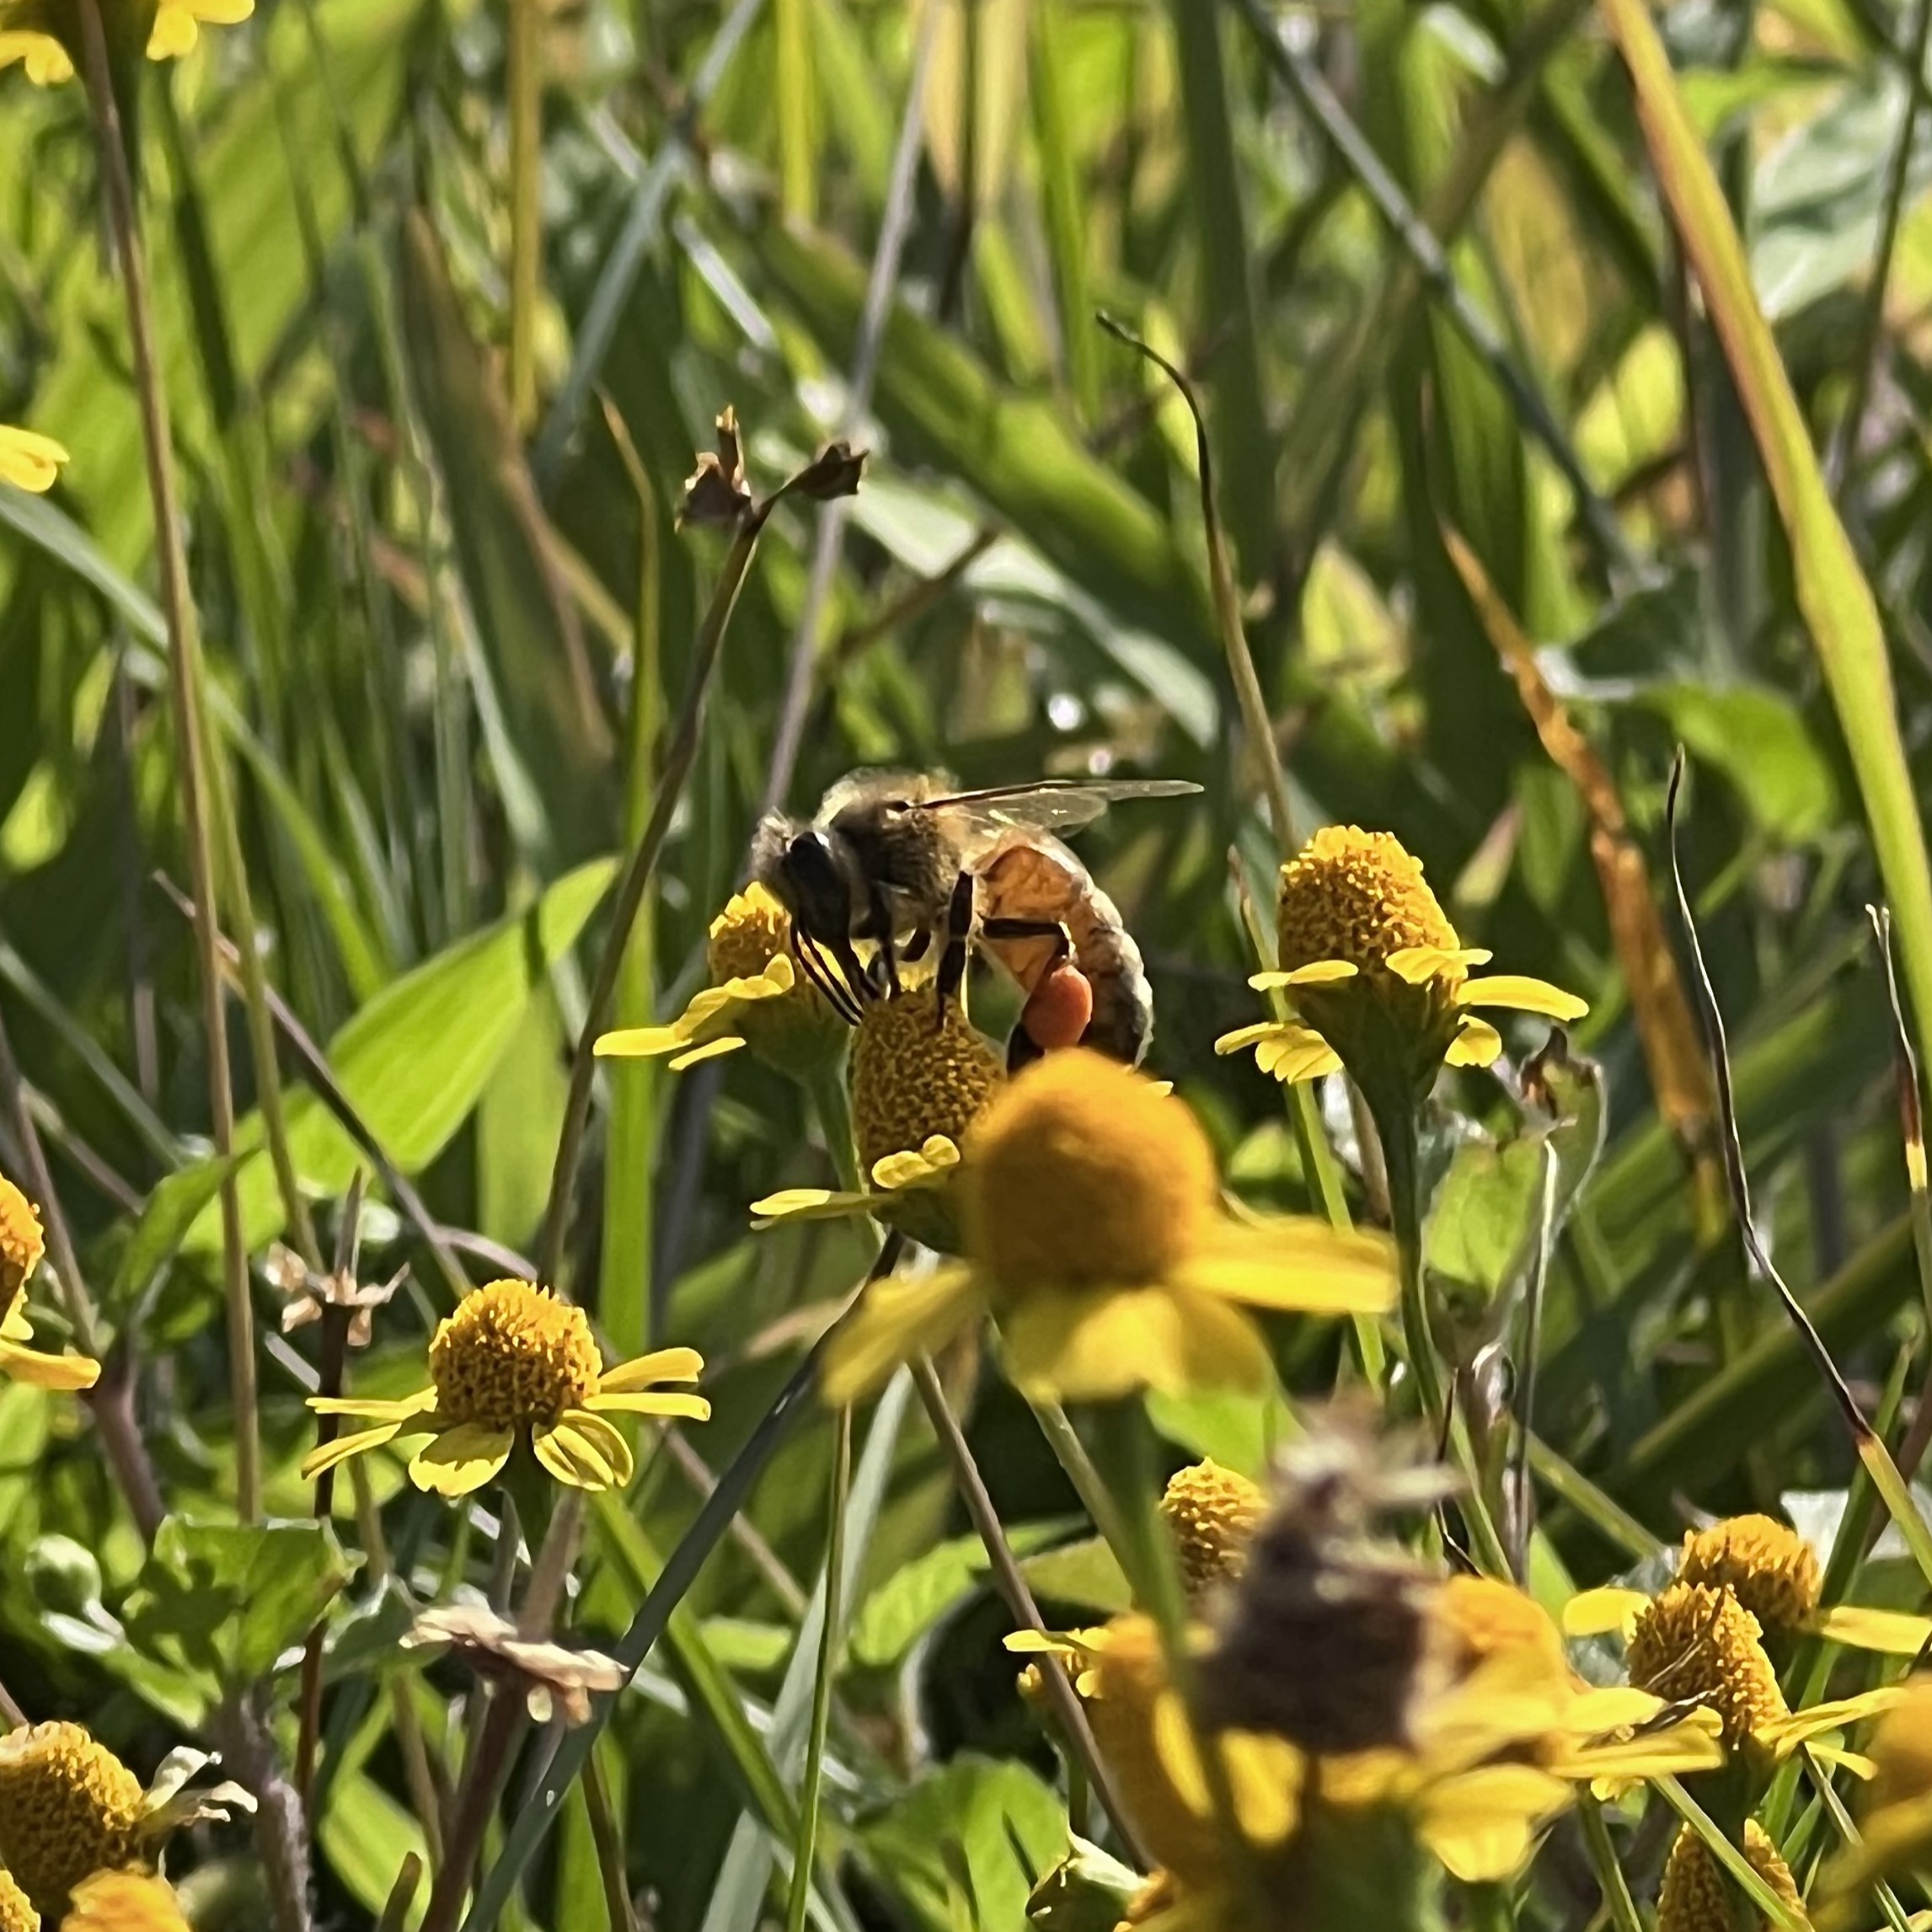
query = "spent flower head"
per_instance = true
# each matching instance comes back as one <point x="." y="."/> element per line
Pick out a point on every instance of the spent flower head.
<point x="554" y="1678"/>
<point x="514" y="1363"/>
<point x="1378" y="980"/>
<point x="307" y="1296"/>
<point x="1095" y="1236"/>
<point x="757" y="999"/>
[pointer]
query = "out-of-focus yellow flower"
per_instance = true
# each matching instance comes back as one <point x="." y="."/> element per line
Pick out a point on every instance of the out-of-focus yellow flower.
<point x="69" y="1808"/>
<point x="1379" y="981"/>
<point x="513" y="1361"/>
<point x="22" y="1243"/>
<point x="1096" y="1241"/>
<point x="1773" y="1573"/>
<point x="125" y="1902"/>
<point x="916" y="1086"/>
<point x="1895" y="1833"/>
<point x="1211" y="1512"/>
<point x="757" y="999"/>
<point x="46" y="34"/>
<point x="1696" y="1895"/>
<point x="17" y="1913"/>
<point x="27" y="460"/>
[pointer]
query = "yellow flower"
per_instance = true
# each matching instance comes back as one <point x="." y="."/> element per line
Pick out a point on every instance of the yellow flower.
<point x="22" y="1243"/>
<point x="1773" y="1573"/>
<point x="70" y="1808"/>
<point x="1896" y="1831"/>
<point x="125" y="1902"/>
<point x="1697" y="1896"/>
<point x="515" y="1360"/>
<point x="28" y="461"/>
<point x="1149" y="1747"/>
<point x="17" y="1913"/>
<point x="1096" y="1241"/>
<point x="917" y="1087"/>
<point x="757" y="999"/>
<point x="1696" y="1643"/>
<point x="1211" y="1512"/>
<point x="1379" y="981"/>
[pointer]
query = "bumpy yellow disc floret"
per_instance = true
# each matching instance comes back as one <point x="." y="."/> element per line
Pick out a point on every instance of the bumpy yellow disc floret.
<point x="21" y="1241"/>
<point x="1359" y="897"/>
<point x="753" y="930"/>
<point x="912" y="1078"/>
<point x="1084" y="1175"/>
<point x="17" y="1913"/>
<point x="1694" y="1642"/>
<point x="1211" y="1512"/>
<point x="68" y="1808"/>
<point x="513" y="1354"/>
<point x="1697" y="1896"/>
<point x="1770" y="1568"/>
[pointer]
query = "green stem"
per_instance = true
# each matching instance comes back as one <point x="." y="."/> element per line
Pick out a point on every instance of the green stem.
<point x="1402" y="1155"/>
<point x="526" y="84"/>
<point x="810" y="1789"/>
<point x="832" y="1102"/>
<point x="185" y="676"/>
<point x="1616" y="1888"/>
<point x="1064" y="1440"/>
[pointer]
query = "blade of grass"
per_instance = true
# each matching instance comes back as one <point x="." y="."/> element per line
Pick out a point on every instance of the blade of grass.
<point x="1833" y="597"/>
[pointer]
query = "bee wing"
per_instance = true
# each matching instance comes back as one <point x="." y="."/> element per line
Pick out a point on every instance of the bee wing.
<point x="1050" y="804"/>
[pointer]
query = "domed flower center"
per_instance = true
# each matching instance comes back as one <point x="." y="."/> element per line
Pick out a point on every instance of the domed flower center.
<point x="68" y="1808"/>
<point x="513" y="1354"/>
<point x="1211" y="1512"/>
<point x="17" y="1913"/>
<point x="21" y="1242"/>
<point x="1696" y="1895"/>
<point x="1770" y="1570"/>
<point x="751" y="932"/>
<point x="1698" y="1642"/>
<point x="1483" y="1618"/>
<point x="912" y="1078"/>
<point x="1359" y="897"/>
<point x="1081" y="1175"/>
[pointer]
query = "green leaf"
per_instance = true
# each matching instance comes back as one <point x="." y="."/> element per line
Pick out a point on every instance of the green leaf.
<point x="1086" y="1573"/>
<point x="966" y="1845"/>
<point x="169" y="1213"/>
<point x="1484" y="1215"/>
<point x="1241" y="1432"/>
<point x="413" y="1060"/>
<point x="1758" y="739"/>
<point x="224" y="1601"/>
<point x="923" y="1593"/>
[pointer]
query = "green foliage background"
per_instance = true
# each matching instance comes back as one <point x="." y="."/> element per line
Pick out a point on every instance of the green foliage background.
<point x="444" y="643"/>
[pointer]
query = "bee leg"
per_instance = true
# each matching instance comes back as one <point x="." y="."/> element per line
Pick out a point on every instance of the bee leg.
<point x="953" y="953"/>
<point x="838" y="997"/>
<point x="916" y="944"/>
<point x="881" y="919"/>
<point x="1032" y="929"/>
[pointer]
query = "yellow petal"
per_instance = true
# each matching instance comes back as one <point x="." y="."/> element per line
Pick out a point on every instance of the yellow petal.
<point x="174" y="33"/>
<point x="1316" y="972"/>
<point x="1104" y="1343"/>
<point x="49" y="63"/>
<point x="223" y="12"/>
<point x="317" y="1462"/>
<point x="808" y="1204"/>
<point x="1480" y="1824"/>
<point x="1419" y="965"/>
<point x="585" y="1451"/>
<point x="59" y="1371"/>
<point x="1891" y="1631"/>
<point x="372" y="1409"/>
<point x="28" y="460"/>
<point x="651" y="1402"/>
<point x="1675" y="1751"/>
<point x="461" y="1459"/>
<point x="1293" y="1261"/>
<point x="1476" y="1043"/>
<point x="1295" y="1054"/>
<point x="1591" y="1613"/>
<point x="639" y="1042"/>
<point x="923" y="1167"/>
<point x="1525" y="995"/>
<point x="647" y="1371"/>
<point x="1243" y="1036"/>
<point x="711" y="1050"/>
<point x="895" y="1319"/>
<point x="1041" y="1643"/>
<point x="1800" y="1725"/>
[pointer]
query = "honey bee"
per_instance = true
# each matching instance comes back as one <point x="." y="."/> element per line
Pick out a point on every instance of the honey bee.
<point x="905" y="861"/>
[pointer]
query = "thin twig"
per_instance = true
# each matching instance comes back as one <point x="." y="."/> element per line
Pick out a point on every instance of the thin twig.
<point x="1012" y="1585"/>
